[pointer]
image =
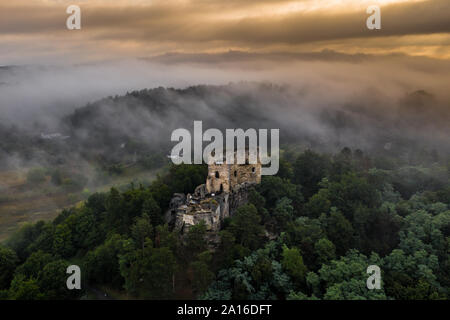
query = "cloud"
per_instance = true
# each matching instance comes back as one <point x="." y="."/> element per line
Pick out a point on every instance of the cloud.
<point x="32" y="93"/>
<point x="212" y="25"/>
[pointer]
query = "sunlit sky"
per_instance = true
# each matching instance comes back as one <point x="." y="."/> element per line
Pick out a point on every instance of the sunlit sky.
<point x="34" y="30"/>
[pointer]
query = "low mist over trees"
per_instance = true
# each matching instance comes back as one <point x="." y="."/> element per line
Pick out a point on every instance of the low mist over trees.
<point x="135" y="128"/>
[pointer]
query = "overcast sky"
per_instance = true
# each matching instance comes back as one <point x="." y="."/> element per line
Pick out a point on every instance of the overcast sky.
<point x="34" y="30"/>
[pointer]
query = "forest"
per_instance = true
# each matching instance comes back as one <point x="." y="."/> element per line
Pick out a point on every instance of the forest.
<point x="310" y="232"/>
<point x="353" y="94"/>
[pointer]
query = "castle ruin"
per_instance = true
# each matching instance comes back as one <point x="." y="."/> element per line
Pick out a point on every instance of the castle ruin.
<point x="226" y="189"/>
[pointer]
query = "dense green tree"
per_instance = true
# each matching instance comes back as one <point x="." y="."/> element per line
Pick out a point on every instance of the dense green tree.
<point x="44" y="241"/>
<point x="148" y="273"/>
<point x="409" y="180"/>
<point x="153" y="211"/>
<point x="411" y="276"/>
<point x="159" y="274"/>
<point x="8" y="262"/>
<point x="101" y="265"/>
<point x="341" y="164"/>
<point x="114" y="209"/>
<point x="377" y="229"/>
<point x="325" y="251"/>
<point x="62" y="241"/>
<point x="292" y="262"/>
<point x="309" y="169"/>
<point x="225" y="253"/>
<point x="300" y="296"/>
<point x="304" y="233"/>
<point x="86" y="229"/>
<point x="142" y="229"/>
<point x="339" y="230"/>
<point x="317" y="204"/>
<point x="283" y="213"/>
<point x="285" y="170"/>
<point x="166" y="238"/>
<point x="195" y="241"/>
<point x="22" y="241"/>
<point x="273" y="188"/>
<point x="52" y="281"/>
<point x="97" y="203"/>
<point x="255" y="198"/>
<point x="24" y="289"/>
<point x="201" y="274"/>
<point x="346" y="278"/>
<point x="35" y="264"/>
<point x="161" y="193"/>
<point x="245" y="226"/>
<point x="352" y="191"/>
<point x="257" y="276"/>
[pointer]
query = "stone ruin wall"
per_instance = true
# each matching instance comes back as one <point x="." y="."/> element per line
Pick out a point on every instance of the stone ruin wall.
<point x="218" y="175"/>
<point x="228" y="183"/>
<point x="248" y="173"/>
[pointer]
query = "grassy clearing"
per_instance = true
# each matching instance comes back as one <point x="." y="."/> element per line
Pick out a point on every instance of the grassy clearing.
<point x="21" y="203"/>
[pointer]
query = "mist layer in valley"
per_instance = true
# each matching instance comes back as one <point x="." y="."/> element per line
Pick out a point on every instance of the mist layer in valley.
<point x="324" y="101"/>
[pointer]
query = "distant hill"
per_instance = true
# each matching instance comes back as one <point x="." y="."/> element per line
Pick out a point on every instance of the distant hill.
<point x="140" y="123"/>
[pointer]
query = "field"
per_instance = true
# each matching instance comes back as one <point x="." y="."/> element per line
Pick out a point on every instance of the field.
<point x="21" y="202"/>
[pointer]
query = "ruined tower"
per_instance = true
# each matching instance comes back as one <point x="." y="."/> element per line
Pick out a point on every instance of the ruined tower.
<point x="226" y="189"/>
<point x="223" y="177"/>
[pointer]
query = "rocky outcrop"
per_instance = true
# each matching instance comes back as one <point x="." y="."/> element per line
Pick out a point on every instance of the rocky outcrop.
<point x="207" y="210"/>
<point x="239" y="197"/>
<point x="200" y="191"/>
<point x="177" y="200"/>
<point x="186" y="211"/>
